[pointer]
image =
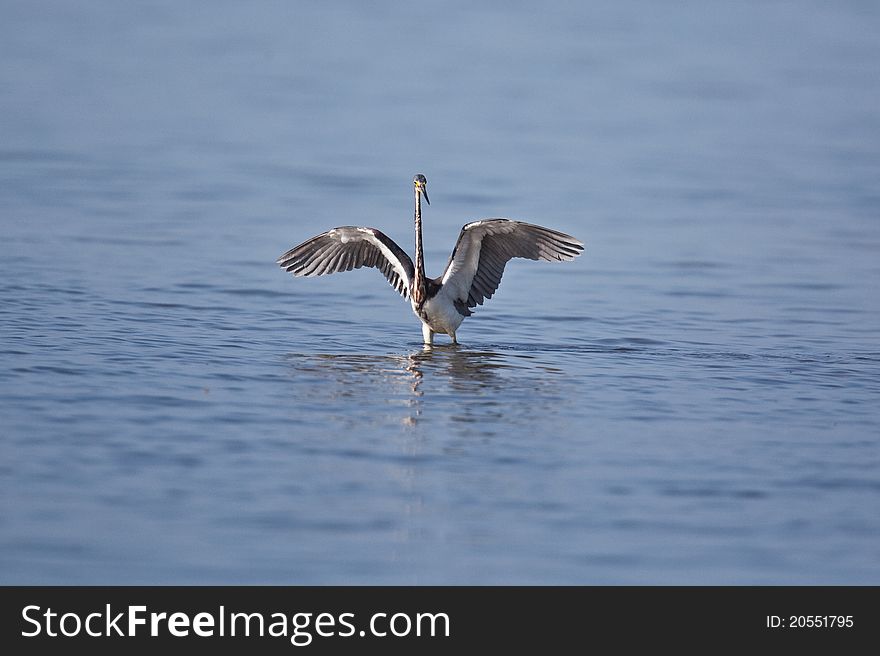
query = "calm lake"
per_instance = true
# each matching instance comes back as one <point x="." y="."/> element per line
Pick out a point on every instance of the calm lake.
<point x="694" y="400"/>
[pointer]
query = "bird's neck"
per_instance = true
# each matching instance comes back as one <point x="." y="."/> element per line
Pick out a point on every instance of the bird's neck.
<point x="418" y="291"/>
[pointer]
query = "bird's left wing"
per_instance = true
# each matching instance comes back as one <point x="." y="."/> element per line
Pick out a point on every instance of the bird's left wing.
<point x="351" y="247"/>
<point x="484" y="247"/>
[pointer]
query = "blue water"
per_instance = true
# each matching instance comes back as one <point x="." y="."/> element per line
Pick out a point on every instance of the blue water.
<point x="694" y="400"/>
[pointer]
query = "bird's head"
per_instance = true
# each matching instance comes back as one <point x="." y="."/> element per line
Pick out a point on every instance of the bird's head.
<point x="421" y="185"/>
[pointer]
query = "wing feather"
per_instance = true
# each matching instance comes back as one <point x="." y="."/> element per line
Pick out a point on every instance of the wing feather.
<point x="351" y="247"/>
<point x="477" y="263"/>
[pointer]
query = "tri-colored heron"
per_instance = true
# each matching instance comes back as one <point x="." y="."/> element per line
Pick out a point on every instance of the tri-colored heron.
<point x="472" y="275"/>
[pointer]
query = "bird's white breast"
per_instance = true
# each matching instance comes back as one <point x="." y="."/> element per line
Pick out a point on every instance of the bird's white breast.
<point x="439" y="314"/>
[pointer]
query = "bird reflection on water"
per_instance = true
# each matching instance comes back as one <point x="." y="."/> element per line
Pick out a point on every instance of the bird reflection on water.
<point x="455" y="374"/>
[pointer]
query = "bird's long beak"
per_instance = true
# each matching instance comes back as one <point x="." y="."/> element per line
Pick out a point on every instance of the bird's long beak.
<point x="423" y="189"/>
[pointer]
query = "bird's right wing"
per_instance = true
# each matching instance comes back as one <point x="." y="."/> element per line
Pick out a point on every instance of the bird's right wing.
<point x="484" y="248"/>
<point x="347" y="248"/>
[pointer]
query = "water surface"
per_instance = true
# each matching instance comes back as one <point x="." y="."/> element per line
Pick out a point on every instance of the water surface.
<point x="694" y="400"/>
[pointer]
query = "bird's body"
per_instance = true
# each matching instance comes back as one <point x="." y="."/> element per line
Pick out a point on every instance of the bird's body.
<point x="439" y="314"/>
<point x="472" y="275"/>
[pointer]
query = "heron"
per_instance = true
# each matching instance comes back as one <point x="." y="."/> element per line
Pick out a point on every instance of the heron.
<point x="472" y="274"/>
